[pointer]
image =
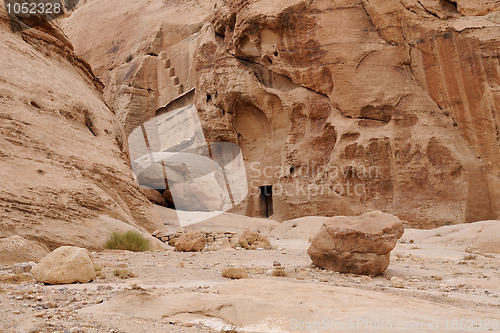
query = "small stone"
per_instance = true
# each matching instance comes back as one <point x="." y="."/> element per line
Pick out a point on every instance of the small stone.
<point x="40" y="314"/>
<point x="49" y="305"/>
<point x="21" y="268"/>
<point x="235" y="273"/>
<point x="276" y="263"/>
<point x="397" y="282"/>
<point x="16" y="312"/>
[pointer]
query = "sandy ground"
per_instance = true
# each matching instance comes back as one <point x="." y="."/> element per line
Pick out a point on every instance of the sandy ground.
<point x="185" y="292"/>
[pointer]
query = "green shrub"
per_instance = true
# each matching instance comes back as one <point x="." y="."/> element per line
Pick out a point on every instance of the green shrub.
<point x="130" y="240"/>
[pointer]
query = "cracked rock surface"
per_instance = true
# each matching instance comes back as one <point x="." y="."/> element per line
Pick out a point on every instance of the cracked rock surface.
<point x="354" y="105"/>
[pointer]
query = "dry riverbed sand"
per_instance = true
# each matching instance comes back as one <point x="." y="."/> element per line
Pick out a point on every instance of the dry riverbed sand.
<point x="429" y="286"/>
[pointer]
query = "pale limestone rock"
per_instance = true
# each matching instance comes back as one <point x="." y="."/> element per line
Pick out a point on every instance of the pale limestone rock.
<point x="397" y="282"/>
<point x="66" y="264"/>
<point x="21" y="268"/>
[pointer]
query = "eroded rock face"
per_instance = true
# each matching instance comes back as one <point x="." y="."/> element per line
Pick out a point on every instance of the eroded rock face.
<point x="16" y="249"/>
<point x="66" y="264"/>
<point x="341" y="107"/>
<point x="360" y="245"/>
<point x="63" y="155"/>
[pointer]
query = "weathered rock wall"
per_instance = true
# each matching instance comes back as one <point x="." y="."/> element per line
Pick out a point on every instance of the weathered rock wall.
<point x="64" y="165"/>
<point x="343" y="107"/>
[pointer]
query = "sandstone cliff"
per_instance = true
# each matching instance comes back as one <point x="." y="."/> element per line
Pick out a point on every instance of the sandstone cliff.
<point x="349" y="106"/>
<point x="63" y="156"/>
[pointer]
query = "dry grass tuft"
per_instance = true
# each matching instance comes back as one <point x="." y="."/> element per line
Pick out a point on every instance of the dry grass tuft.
<point x="16" y="278"/>
<point x="235" y="273"/>
<point x="98" y="271"/>
<point x="130" y="240"/>
<point x="470" y="257"/>
<point x="123" y="273"/>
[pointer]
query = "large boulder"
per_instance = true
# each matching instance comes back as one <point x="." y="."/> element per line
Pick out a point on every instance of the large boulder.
<point x="360" y="244"/>
<point x="192" y="241"/>
<point x="66" y="264"/>
<point x="16" y="249"/>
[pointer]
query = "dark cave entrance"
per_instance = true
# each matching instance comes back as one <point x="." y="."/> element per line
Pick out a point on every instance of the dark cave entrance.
<point x="266" y="200"/>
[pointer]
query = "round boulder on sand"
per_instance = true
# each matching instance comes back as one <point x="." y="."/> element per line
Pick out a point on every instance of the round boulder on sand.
<point x="66" y="264"/>
<point x="358" y="244"/>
